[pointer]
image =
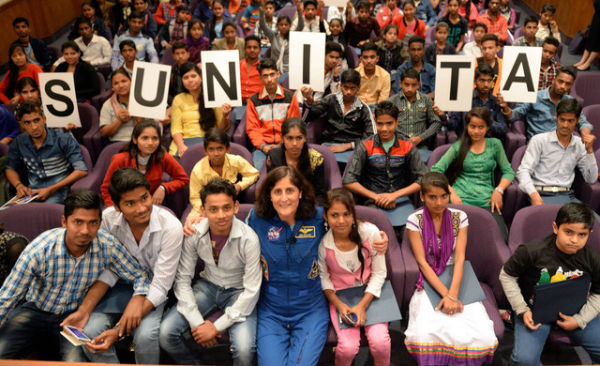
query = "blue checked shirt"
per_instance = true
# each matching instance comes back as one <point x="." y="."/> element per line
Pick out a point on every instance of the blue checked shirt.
<point x="55" y="281"/>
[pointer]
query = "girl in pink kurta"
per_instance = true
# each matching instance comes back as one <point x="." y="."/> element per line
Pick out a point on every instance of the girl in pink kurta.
<point x="347" y="259"/>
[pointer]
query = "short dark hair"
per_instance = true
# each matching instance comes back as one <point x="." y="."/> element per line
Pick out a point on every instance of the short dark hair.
<point x="570" y="70"/>
<point x="362" y="4"/>
<point x="135" y="15"/>
<point x="386" y="107"/>
<point x="334" y="47"/>
<point x="269" y="2"/>
<point x="530" y="19"/>
<point x="267" y="63"/>
<point x="548" y="7"/>
<point x="217" y="135"/>
<point x="411" y="74"/>
<point x="350" y="76"/>
<point x="26" y="108"/>
<point x="416" y="39"/>
<point x="483" y="69"/>
<point x="82" y="198"/>
<point x="178" y="45"/>
<point x="124" y="180"/>
<point x="369" y="46"/>
<point x="127" y="42"/>
<point x="388" y="27"/>
<point x="575" y="213"/>
<point x="441" y="25"/>
<point x="229" y="23"/>
<point x="18" y="20"/>
<point x="216" y="186"/>
<point x="481" y="25"/>
<point x="552" y="41"/>
<point x="310" y="2"/>
<point x="251" y="37"/>
<point x="182" y="8"/>
<point x="569" y="105"/>
<point x="83" y="20"/>
<point x="264" y="206"/>
<point x="490" y="37"/>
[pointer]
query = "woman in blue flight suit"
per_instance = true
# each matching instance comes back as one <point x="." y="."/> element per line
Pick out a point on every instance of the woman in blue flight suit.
<point x="292" y="311"/>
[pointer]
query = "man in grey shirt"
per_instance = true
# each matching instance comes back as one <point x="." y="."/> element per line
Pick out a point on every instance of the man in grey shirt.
<point x="548" y="166"/>
<point x="230" y="281"/>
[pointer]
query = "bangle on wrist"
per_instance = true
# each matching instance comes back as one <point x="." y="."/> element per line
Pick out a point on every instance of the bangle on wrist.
<point x="19" y="184"/>
<point x="500" y="190"/>
<point x="451" y="298"/>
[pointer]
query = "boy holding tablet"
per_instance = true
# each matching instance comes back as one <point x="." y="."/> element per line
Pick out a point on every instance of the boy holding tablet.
<point x="564" y="250"/>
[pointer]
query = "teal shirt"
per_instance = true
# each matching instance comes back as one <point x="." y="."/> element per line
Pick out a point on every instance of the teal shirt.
<point x="476" y="183"/>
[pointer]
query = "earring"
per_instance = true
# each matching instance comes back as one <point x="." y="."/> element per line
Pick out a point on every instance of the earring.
<point x="354" y="225"/>
<point x="326" y="226"/>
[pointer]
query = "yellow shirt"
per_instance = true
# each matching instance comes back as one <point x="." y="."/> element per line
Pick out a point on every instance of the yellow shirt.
<point x="376" y="88"/>
<point x="203" y="173"/>
<point x="185" y="118"/>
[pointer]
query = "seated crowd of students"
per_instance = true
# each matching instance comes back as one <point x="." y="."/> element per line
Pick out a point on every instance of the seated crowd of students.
<point x="275" y="276"/>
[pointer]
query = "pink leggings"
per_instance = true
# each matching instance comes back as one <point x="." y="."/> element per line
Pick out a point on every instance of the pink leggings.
<point x="349" y="342"/>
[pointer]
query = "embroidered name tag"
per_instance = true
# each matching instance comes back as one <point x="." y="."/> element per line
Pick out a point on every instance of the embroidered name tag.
<point x="306" y="232"/>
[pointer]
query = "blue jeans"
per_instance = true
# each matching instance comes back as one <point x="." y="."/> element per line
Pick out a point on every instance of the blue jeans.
<point x="28" y="327"/>
<point x="529" y="344"/>
<point x="425" y="154"/>
<point x="177" y="340"/>
<point x="258" y="158"/>
<point x="145" y="336"/>
<point x="341" y="157"/>
<point x="400" y="213"/>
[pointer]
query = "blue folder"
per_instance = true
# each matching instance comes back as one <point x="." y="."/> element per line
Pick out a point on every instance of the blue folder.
<point x="470" y="290"/>
<point x="567" y="297"/>
<point x="381" y="310"/>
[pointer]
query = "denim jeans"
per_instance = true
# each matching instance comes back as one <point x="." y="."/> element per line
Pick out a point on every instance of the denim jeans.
<point x="177" y="340"/>
<point x="145" y="336"/>
<point x="28" y="327"/>
<point x="529" y="344"/>
<point x="341" y="157"/>
<point x="258" y="158"/>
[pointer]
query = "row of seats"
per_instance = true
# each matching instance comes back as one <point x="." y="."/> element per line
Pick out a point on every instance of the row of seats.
<point x="486" y="249"/>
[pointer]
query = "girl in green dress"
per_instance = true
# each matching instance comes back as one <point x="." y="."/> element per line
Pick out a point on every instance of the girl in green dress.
<point x="470" y="164"/>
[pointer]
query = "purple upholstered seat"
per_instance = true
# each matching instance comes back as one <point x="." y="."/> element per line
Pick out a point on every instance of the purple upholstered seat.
<point x="586" y="88"/>
<point x="181" y="198"/>
<point x="536" y="222"/>
<point x="32" y="219"/>
<point x="487" y="253"/>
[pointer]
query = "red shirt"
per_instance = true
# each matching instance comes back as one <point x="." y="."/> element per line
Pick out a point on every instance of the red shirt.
<point x="402" y="29"/>
<point x="500" y="25"/>
<point x="179" y="178"/>
<point x="32" y="71"/>
<point x="251" y="83"/>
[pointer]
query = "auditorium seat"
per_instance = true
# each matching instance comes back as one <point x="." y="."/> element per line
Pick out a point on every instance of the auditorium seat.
<point x="181" y="198"/>
<point x="585" y="88"/>
<point x="32" y="219"/>
<point x="592" y="113"/>
<point x="487" y="253"/>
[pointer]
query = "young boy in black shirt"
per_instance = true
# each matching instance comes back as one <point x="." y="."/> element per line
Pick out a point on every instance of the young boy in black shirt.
<point x="565" y="248"/>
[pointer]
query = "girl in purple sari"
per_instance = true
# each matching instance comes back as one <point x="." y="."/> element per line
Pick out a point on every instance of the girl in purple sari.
<point x="446" y="333"/>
